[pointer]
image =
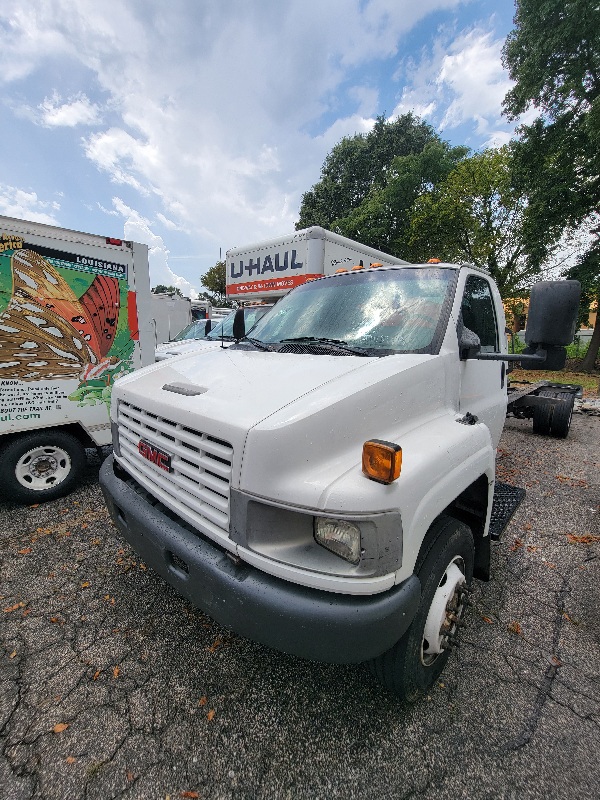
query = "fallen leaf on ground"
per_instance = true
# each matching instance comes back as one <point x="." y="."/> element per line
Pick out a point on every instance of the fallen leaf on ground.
<point x="488" y="620"/>
<point x="85" y="584"/>
<point x="514" y="627"/>
<point x="13" y="654"/>
<point x="516" y="544"/>
<point x="189" y="794"/>
<point x="556" y="662"/>
<point x="70" y="760"/>
<point x="96" y="675"/>
<point x="214" y="646"/>
<point x="130" y="775"/>
<point x="586" y="538"/>
<point x="13" y="608"/>
<point x="25" y="551"/>
<point x="202" y="701"/>
<point x="116" y="671"/>
<point x="210" y="714"/>
<point x="60" y="727"/>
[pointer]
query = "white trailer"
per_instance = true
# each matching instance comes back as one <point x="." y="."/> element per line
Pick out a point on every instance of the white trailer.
<point x="171" y="313"/>
<point x="75" y="315"/>
<point x="272" y="267"/>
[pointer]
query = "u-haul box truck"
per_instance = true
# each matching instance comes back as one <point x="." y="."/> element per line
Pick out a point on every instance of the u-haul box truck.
<point x="70" y="305"/>
<point x="273" y="267"/>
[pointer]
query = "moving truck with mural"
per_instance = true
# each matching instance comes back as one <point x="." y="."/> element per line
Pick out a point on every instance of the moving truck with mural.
<point x="271" y="268"/>
<point x="70" y="310"/>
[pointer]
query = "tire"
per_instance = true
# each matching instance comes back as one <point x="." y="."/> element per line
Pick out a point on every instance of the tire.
<point x="542" y="415"/>
<point x="41" y="466"/>
<point x="562" y="416"/>
<point x="445" y="569"/>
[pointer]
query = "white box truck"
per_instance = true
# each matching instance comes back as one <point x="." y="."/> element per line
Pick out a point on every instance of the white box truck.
<point x="271" y="268"/>
<point x="325" y="486"/>
<point x="71" y="306"/>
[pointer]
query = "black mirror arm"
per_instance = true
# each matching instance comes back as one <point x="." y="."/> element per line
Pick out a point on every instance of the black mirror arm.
<point x="524" y="358"/>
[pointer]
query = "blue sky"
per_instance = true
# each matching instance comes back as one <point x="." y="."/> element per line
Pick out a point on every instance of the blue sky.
<point x="196" y="125"/>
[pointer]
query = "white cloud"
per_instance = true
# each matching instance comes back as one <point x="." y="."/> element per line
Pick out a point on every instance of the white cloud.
<point x="22" y="204"/>
<point x="77" y="110"/>
<point x="138" y="229"/>
<point x="214" y="117"/>
<point x="460" y="81"/>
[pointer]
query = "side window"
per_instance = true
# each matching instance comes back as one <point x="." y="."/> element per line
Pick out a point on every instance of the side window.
<point x="478" y="312"/>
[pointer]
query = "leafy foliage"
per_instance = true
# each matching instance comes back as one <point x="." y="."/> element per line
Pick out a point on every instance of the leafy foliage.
<point x="359" y="166"/>
<point x="214" y="280"/>
<point x="477" y="215"/>
<point x="162" y="289"/>
<point x="553" y="54"/>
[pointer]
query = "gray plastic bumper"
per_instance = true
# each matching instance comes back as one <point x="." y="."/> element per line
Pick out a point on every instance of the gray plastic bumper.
<point x="310" y="623"/>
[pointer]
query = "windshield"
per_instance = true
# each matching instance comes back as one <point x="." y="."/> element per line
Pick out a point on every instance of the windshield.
<point x="225" y="328"/>
<point x="382" y="311"/>
<point x="196" y="330"/>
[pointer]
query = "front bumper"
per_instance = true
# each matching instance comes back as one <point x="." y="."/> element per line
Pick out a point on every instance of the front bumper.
<point x="310" y="623"/>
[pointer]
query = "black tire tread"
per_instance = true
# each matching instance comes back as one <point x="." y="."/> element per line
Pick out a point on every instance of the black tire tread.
<point x="12" y="452"/>
<point x="389" y="668"/>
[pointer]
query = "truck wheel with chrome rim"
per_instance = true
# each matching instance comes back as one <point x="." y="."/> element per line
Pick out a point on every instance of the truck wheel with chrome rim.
<point x="40" y="466"/>
<point x="445" y="569"/>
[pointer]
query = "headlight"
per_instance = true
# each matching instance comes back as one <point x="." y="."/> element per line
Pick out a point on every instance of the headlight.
<point x="339" y="536"/>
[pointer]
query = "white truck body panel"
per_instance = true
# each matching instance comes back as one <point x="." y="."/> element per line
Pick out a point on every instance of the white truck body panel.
<point x="170" y="315"/>
<point x="273" y="267"/>
<point x="69" y="309"/>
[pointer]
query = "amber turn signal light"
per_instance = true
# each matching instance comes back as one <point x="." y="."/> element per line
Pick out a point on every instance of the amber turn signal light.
<point x="381" y="461"/>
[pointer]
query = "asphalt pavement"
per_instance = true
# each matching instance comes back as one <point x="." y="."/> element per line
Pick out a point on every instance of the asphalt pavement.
<point x="112" y="686"/>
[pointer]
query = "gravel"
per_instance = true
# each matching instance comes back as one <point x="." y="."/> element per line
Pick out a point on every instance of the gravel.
<point x="113" y="686"/>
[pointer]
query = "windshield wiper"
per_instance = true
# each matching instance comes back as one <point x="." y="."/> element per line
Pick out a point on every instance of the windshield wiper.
<point x="340" y="344"/>
<point x="256" y="343"/>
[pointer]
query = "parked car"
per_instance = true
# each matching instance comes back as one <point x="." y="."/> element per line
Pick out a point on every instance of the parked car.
<point x="194" y="336"/>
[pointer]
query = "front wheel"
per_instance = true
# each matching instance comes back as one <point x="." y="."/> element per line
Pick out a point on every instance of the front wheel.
<point x="41" y="466"/>
<point x="445" y="570"/>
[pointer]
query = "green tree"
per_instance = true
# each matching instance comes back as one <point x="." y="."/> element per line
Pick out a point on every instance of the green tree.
<point x="587" y="271"/>
<point x="358" y="165"/>
<point x="382" y="220"/>
<point x="214" y="280"/>
<point x="162" y="289"/>
<point x="477" y="215"/>
<point x="553" y="55"/>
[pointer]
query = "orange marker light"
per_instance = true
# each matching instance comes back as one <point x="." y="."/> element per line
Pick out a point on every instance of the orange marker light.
<point x="434" y="261"/>
<point x="381" y="461"/>
<point x="376" y="264"/>
<point x="341" y="269"/>
<point x="358" y="266"/>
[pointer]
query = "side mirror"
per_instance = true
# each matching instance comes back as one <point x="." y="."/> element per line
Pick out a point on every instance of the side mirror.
<point x="239" y="325"/>
<point x="208" y="327"/>
<point x="469" y="344"/>
<point x="551" y="321"/>
<point x="552" y="315"/>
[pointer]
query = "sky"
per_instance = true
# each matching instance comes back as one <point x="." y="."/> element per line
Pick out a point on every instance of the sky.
<point x="195" y="126"/>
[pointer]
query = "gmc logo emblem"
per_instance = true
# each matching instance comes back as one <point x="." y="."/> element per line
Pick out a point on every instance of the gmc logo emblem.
<point x="156" y="456"/>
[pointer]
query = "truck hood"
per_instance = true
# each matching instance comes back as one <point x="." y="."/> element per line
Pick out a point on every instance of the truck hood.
<point x="185" y="347"/>
<point x="295" y="422"/>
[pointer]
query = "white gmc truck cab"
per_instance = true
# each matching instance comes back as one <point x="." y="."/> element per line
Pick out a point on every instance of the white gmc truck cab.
<point x="324" y="486"/>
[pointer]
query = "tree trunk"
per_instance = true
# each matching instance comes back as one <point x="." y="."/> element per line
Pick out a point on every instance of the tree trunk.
<point x="588" y="363"/>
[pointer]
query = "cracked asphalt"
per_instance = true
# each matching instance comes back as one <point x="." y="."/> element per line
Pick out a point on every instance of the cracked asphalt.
<point x="112" y="686"/>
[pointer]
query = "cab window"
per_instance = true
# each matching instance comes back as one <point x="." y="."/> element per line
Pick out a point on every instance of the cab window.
<point x="478" y="312"/>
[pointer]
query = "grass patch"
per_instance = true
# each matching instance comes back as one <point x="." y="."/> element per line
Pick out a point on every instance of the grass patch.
<point x="589" y="381"/>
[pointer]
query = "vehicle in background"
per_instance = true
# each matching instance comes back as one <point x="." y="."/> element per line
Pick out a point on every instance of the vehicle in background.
<point x="171" y="313"/>
<point x="204" y="309"/>
<point x="194" y="337"/>
<point x="325" y="486"/>
<point x="269" y="269"/>
<point x="75" y="313"/>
